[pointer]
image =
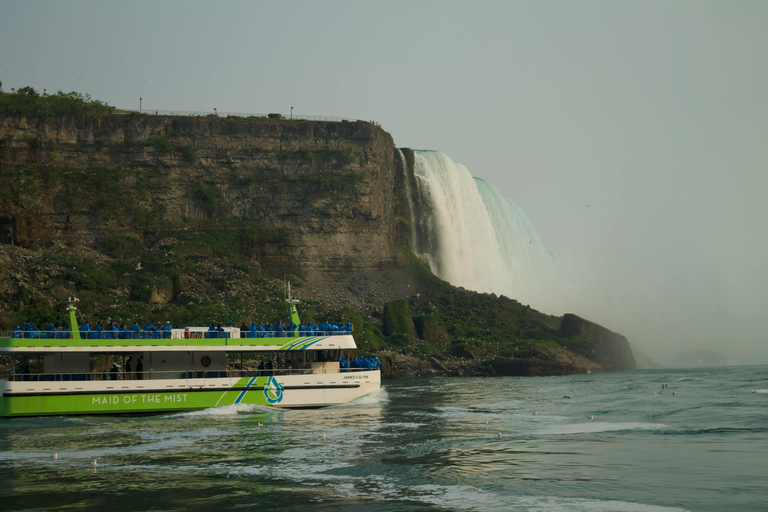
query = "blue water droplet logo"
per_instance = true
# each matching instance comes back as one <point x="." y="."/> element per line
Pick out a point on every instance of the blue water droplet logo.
<point x="273" y="391"/>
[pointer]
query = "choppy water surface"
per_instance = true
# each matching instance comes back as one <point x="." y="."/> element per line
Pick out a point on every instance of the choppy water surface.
<point x="440" y="444"/>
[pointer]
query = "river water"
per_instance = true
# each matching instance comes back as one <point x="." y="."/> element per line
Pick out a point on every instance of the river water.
<point x="621" y="442"/>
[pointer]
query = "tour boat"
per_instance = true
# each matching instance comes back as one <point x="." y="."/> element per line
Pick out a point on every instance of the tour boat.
<point x="177" y="370"/>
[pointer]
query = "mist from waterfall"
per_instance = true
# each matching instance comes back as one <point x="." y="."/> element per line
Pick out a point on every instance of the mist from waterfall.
<point x="472" y="236"/>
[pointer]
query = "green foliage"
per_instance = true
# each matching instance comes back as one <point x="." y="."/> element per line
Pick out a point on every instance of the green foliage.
<point x="368" y="336"/>
<point x="209" y="196"/>
<point x="189" y="153"/>
<point x="84" y="274"/>
<point x="307" y="316"/>
<point x="160" y="143"/>
<point x="27" y="101"/>
<point x="397" y="318"/>
<point x="398" y="339"/>
<point x="222" y="242"/>
<point x="40" y="312"/>
<point x="371" y="339"/>
<point x="427" y="326"/>
<point x="122" y="246"/>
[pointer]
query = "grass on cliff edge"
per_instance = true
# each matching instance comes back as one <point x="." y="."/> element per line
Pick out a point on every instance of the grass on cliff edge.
<point x="28" y="101"/>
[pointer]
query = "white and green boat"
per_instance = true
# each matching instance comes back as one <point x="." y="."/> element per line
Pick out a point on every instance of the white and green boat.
<point x="47" y="375"/>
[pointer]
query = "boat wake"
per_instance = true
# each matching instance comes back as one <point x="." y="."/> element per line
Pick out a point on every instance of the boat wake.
<point x="222" y="410"/>
<point x="600" y="426"/>
<point x="375" y="397"/>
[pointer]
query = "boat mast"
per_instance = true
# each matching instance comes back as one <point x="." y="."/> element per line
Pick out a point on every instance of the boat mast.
<point x="72" y="319"/>
<point x="292" y="307"/>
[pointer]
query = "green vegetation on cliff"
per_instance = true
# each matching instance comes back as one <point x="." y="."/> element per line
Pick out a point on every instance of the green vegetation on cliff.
<point x="27" y="101"/>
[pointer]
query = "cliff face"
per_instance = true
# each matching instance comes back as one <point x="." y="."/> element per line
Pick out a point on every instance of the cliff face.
<point x="314" y="198"/>
<point x="608" y="349"/>
<point x="198" y="219"/>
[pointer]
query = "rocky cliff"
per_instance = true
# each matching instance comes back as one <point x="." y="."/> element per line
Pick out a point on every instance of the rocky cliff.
<point x="608" y="349"/>
<point x="309" y="197"/>
<point x="200" y="219"/>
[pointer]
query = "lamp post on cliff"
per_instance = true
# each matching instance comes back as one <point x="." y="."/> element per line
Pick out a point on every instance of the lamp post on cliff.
<point x="139" y="105"/>
<point x="215" y="112"/>
<point x="291" y="112"/>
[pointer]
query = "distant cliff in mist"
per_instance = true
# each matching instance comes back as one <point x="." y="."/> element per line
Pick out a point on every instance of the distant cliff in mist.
<point x="200" y="219"/>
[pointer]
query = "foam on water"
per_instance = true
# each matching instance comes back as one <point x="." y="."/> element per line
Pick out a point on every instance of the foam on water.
<point x="555" y="504"/>
<point x="375" y="397"/>
<point x="761" y="391"/>
<point x="222" y="410"/>
<point x="594" y="427"/>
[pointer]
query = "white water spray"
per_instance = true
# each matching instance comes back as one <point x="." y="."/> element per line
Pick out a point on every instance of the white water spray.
<point x="471" y="236"/>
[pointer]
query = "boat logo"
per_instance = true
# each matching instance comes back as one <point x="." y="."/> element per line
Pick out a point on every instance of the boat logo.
<point x="273" y="391"/>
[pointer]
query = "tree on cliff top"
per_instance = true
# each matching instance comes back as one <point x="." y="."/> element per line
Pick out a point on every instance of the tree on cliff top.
<point x="27" y="101"/>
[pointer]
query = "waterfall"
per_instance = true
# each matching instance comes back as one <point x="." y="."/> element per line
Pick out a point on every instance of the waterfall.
<point x="472" y="236"/>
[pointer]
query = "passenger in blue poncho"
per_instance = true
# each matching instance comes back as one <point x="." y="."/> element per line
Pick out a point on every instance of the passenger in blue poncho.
<point x="252" y="330"/>
<point x="212" y="332"/>
<point x="149" y="331"/>
<point x="112" y="331"/>
<point x="85" y="331"/>
<point x="51" y="333"/>
<point x="134" y="331"/>
<point x="97" y="330"/>
<point x="18" y="332"/>
<point x="167" y="330"/>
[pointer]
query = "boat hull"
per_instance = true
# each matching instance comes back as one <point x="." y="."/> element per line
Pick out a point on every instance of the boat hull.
<point x="23" y="398"/>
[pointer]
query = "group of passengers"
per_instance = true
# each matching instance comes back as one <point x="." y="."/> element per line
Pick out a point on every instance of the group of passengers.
<point x="150" y="331"/>
<point x="361" y="363"/>
<point x="264" y="330"/>
<point x="30" y="330"/>
<point x="114" y="332"/>
<point x="129" y="372"/>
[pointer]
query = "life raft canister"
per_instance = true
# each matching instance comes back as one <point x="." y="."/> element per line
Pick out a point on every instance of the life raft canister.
<point x="205" y="361"/>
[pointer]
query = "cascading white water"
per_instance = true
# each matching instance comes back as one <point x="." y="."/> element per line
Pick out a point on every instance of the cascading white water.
<point x="472" y="236"/>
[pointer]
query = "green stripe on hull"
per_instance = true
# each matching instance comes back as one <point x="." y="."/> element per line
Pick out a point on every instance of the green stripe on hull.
<point x="130" y="403"/>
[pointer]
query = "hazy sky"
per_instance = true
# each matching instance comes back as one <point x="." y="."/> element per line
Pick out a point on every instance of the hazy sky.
<point x="636" y="131"/>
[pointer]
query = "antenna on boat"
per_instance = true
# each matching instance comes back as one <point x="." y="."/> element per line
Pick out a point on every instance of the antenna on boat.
<point x="72" y="319"/>
<point x="289" y="300"/>
<point x="292" y="304"/>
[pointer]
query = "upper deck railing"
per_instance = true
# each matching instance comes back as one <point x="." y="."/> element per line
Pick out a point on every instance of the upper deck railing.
<point x="176" y="334"/>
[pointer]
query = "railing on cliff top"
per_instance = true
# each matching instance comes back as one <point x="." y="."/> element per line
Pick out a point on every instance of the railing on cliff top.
<point x="193" y="113"/>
